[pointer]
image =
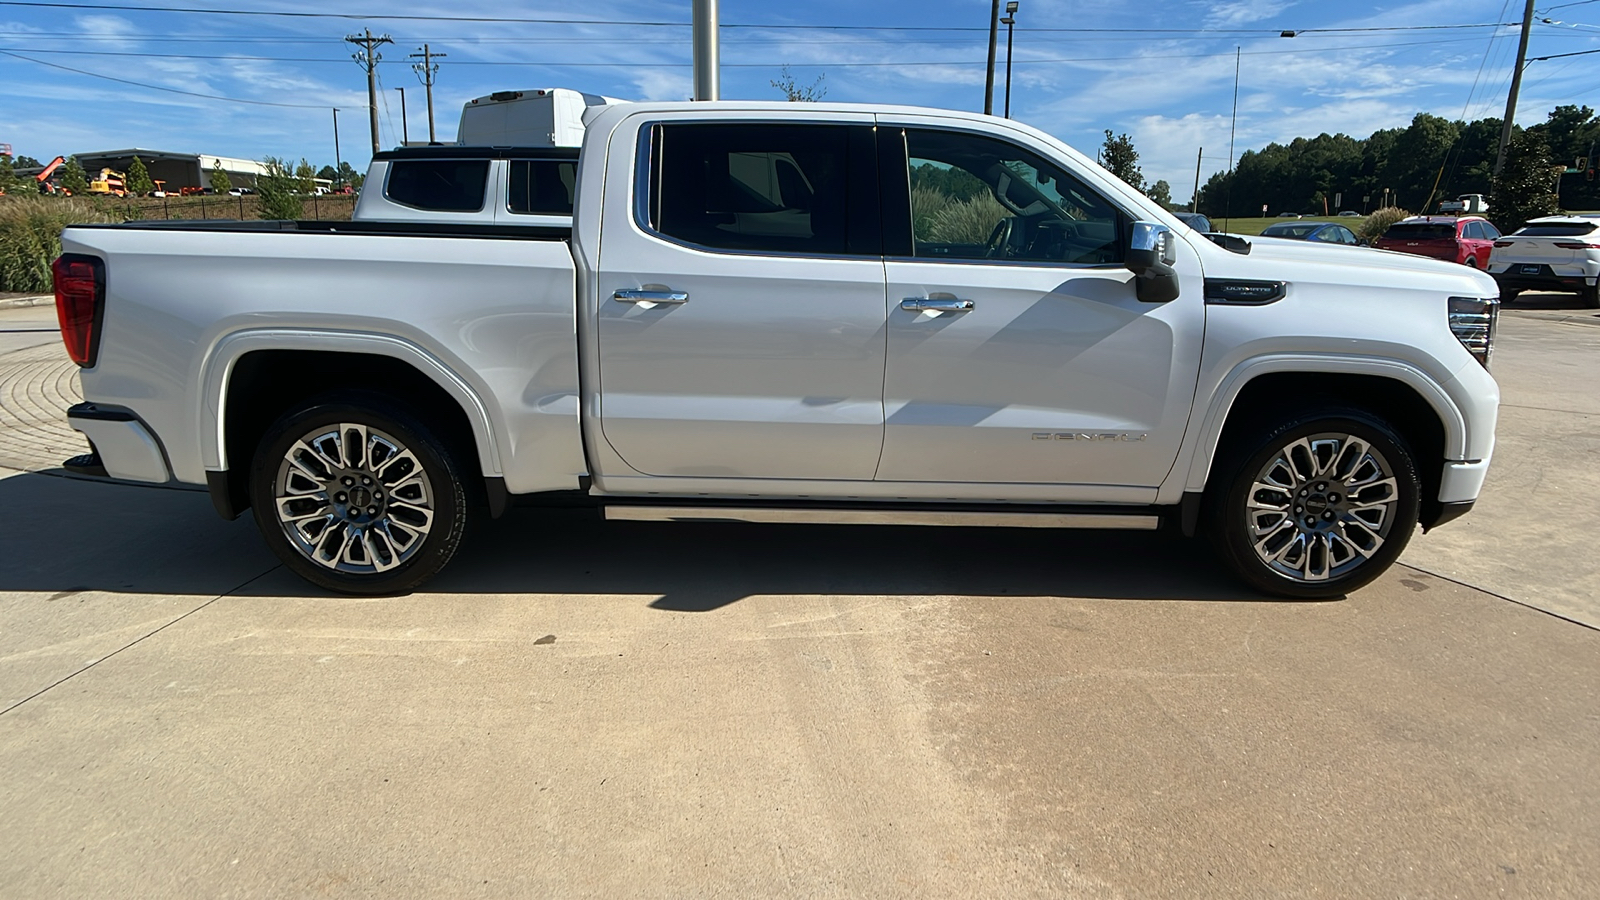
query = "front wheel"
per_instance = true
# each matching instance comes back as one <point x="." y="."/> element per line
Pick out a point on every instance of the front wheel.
<point x="1590" y="295"/>
<point x="1320" y="504"/>
<point x="357" y="496"/>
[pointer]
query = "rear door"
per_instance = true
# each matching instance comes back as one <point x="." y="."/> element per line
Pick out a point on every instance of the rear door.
<point x="1018" y="352"/>
<point x="741" y="310"/>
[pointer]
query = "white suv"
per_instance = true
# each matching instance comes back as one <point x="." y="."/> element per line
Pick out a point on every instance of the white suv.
<point x="1555" y="253"/>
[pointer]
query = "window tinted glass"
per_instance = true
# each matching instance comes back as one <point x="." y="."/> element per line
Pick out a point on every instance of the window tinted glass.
<point x="447" y="185"/>
<point x="1421" y="231"/>
<point x="1295" y="231"/>
<point x="541" y="186"/>
<point x="1561" y="229"/>
<point x="1489" y="231"/>
<point x="974" y="197"/>
<point x="776" y="188"/>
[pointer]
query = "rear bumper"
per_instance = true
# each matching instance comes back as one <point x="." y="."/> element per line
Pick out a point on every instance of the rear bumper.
<point x="1512" y="282"/>
<point x="127" y="447"/>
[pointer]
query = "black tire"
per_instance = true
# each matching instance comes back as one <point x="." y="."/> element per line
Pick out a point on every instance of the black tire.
<point x="375" y="557"/>
<point x="1590" y="296"/>
<point x="1508" y="296"/>
<point x="1343" y="523"/>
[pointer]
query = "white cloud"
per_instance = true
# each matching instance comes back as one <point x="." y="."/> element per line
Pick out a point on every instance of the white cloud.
<point x="1233" y="13"/>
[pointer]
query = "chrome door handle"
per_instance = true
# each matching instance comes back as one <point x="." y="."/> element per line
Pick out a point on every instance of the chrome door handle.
<point x="930" y="304"/>
<point x="648" y="299"/>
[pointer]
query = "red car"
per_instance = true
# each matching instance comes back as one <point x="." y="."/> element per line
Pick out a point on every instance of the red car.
<point x="1464" y="239"/>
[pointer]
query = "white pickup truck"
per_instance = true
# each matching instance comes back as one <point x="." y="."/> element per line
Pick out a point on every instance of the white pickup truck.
<point x="798" y="313"/>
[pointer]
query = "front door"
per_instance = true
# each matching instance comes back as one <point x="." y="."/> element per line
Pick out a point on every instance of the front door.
<point x="741" y="312"/>
<point x="1018" y="351"/>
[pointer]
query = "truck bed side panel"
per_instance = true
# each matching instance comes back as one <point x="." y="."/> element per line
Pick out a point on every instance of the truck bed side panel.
<point x="496" y="314"/>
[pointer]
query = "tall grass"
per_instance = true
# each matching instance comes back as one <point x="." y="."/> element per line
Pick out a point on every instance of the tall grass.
<point x="30" y="237"/>
<point x="967" y="221"/>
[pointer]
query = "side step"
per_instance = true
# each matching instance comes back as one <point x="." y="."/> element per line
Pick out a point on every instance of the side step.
<point x="895" y="516"/>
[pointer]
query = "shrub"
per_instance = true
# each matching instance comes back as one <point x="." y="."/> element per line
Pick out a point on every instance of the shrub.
<point x="277" y="190"/>
<point x="30" y="237"/>
<point x="967" y="221"/>
<point x="1376" y="224"/>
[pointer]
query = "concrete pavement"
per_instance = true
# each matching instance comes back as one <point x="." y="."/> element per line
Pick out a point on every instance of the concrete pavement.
<point x="578" y="708"/>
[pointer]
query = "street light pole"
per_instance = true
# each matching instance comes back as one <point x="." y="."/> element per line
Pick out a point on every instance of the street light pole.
<point x="994" y="37"/>
<point x="337" y="162"/>
<point x="405" y="132"/>
<point x="1010" y="20"/>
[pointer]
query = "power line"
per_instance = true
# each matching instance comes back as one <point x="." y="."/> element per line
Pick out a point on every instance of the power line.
<point x="764" y="65"/>
<point x="157" y="87"/>
<point x="660" y="24"/>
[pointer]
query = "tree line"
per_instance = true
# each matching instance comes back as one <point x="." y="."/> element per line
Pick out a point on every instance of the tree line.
<point x="1415" y="167"/>
<point x="283" y="175"/>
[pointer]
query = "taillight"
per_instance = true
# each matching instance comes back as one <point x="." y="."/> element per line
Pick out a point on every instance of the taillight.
<point x="1576" y="245"/>
<point x="1473" y="321"/>
<point x="80" y="302"/>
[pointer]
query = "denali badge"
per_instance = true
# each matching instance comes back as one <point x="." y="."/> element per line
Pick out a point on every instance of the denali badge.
<point x="1123" y="436"/>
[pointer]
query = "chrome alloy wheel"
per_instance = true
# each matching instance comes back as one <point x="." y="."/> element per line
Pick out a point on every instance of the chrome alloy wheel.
<point x="353" y="499"/>
<point x="1321" y="506"/>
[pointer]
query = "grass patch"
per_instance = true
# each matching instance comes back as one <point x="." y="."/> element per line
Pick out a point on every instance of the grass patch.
<point x="30" y="237"/>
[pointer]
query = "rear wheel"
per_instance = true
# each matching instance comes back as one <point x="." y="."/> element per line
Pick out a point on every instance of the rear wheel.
<point x="1590" y="295"/>
<point x="1509" y="296"/>
<point x="1320" y="504"/>
<point x="357" y="496"/>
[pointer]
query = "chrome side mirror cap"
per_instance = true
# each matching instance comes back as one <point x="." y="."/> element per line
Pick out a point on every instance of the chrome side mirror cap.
<point x="1151" y="253"/>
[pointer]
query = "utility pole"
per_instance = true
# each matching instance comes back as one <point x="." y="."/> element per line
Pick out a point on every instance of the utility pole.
<point x="994" y="38"/>
<point x="1194" y="202"/>
<point x="707" y="50"/>
<point x="1516" y="85"/>
<point x="405" y="131"/>
<point x="426" y="70"/>
<point x="338" y="164"/>
<point x="1011" y="21"/>
<point x="367" y="58"/>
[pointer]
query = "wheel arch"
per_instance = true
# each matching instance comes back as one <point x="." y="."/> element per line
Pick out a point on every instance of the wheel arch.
<point x="1410" y="401"/>
<point x="253" y="377"/>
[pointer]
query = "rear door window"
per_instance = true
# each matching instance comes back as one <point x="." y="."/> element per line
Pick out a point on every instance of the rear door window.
<point x="441" y="185"/>
<point x="760" y="188"/>
<point x="542" y="186"/>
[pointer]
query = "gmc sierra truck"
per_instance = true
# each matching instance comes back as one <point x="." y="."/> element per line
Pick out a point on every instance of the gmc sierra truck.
<point x="789" y="313"/>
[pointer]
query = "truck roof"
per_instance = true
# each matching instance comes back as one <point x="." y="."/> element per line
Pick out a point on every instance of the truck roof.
<point x="451" y="151"/>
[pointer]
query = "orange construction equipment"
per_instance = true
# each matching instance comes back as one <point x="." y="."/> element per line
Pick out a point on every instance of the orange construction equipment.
<point x="109" y="181"/>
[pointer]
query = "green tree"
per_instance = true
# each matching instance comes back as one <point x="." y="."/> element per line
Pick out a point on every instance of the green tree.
<point x="347" y="174"/>
<point x="795" y="92"/>
<point x="24" y="161"/>
<point x="328" y="174"/>
<point x="305" y="178"/>
<point x="1119" y="157"/>
<point x="276" y="187"/>
<point x="138" y="181"/>
<point x="73" y="179"/>
<point x="8" y="177"/>
<point x="1161" y="192"/>
<point x="1526" y="186"/>
<point x="220" y="182"/>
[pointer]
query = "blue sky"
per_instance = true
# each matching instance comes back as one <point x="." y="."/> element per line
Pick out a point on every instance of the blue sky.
<point x="1171" y="89"/>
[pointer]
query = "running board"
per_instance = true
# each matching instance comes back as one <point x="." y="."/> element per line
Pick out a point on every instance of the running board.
<point x="815" y="516"/>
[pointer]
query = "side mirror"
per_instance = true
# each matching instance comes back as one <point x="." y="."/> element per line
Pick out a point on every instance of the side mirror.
<point x="1150" y="257"/>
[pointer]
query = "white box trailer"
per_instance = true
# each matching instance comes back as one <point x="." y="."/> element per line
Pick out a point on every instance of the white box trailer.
<point x="543" y="117"/>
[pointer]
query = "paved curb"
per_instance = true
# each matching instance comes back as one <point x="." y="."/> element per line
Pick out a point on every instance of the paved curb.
<point x="20" y="302"/>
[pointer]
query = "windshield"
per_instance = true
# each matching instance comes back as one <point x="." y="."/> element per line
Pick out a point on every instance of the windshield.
<point x="1420" y="231"/>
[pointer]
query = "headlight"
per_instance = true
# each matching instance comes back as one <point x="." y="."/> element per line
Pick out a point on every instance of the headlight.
<point x="1473" y="321"/>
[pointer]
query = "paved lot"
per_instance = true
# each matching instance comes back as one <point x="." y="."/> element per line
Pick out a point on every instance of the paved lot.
<point x="578" y="708"/>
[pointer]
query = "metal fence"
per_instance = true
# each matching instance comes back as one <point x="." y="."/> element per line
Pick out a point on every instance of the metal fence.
<point x="332" y="207"/>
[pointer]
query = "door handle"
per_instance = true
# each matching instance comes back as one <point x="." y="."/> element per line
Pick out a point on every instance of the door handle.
<point x="648" y="299"/>
<point x="940" y="304"/>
